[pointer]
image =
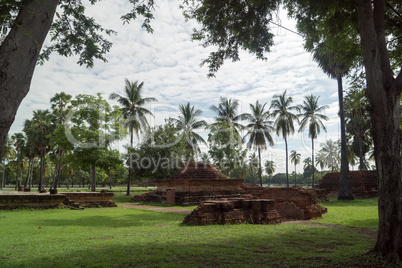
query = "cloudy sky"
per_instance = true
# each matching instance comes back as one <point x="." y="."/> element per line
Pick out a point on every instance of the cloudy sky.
<point x="167" y="61"/>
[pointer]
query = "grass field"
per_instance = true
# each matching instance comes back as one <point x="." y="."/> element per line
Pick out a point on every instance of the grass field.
<point x="127" y="237"/>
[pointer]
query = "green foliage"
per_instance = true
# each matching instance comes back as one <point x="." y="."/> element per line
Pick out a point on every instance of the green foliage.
<point x="231" y="26"/>
<point x="160" y="153"/>
<point x="225" y="147"/>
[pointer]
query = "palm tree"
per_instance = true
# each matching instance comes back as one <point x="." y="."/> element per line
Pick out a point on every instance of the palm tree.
<point x="269" y="169"/>
<point x="38" y="130"/>
<point x="282" y="110"/>
<point x="131" y="103"/>
<point x="19" y="143"/>
<point x="259" y="131"/>
<point x="295" y="158"/>
<point x="188" y="122"/>
<point x="60" y="108"/>
<point x="227" y="112"/>
<point x="320" y="160"/>
<point x="8" y="153"/>
<point x="312" y="118"/>
<point x="307" y="165"/>
<point x="334" y="64"/>
<point x="331" y="151"/>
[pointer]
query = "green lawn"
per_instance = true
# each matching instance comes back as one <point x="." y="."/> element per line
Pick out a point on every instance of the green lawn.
<point x="123" y="237"/>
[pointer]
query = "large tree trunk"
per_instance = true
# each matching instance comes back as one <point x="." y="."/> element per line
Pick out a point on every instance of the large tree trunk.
<point x="345" y="184"/>
<point x="383" y="92"/>
<point x="42" y="169"/>
<point x="18" y="56"/>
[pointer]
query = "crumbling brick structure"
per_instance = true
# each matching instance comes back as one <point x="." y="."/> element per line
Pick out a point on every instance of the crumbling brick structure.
<point x="89" y="199"/>
<point x="364" y="183"/>
<point x="234" y="210"/>
<point x="294" y="203"/>
<point x="193" y="184"/>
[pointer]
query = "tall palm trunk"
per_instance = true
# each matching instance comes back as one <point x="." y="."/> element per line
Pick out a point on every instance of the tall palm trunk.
<point x="259" y="166"/>
<point x="295" y="174"/>
<point x="345" y="184"/>
<point x="287" y="160"/>
<point x="42" y="169"/>
<point x="130" y="169"/>
<point x="2" y="180"/>
<point x="362" y="166"/>
<point x="312" y="161"/>
<point x="26" y="184"/>
<point x="57" y="172"/>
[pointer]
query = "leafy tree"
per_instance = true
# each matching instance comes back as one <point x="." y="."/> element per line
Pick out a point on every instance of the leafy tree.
<point x="160" y="153"/>
<point x="295" y="158"/>
<point x="94" y="126"/>
<point x="259" y="131"/>
<point x="23" y="29"/>
<point x="188" y="122"/>
<point x="133" y="111"/>
<point x="227" y="112"/>
<point x="284" y="118"/>
<point x="225" y="147"/>
<point x="246" y="25"/>
<point x="311" y="114"/>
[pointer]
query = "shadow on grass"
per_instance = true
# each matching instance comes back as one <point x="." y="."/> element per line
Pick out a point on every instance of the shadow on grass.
<point x="295" y="246"/>
<point x="144" y="218"/>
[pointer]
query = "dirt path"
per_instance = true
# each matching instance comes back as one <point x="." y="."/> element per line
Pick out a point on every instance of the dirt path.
<point x="184" y="211"/>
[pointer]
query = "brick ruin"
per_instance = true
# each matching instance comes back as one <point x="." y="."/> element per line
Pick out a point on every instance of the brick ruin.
<point x="47" y="201"/>
<point x="364" y="183"/>
<point x="233" y="211"/>
<point x="294" y="203"/>
<point x="89" y="199"/>
<point x="260" y="206"/>
<point x="193" y="184"/>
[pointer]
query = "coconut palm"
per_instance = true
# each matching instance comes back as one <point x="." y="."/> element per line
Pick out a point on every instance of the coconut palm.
<point x="320" y="160"/>
<point x="227" y="112"/>
<point x="8" y="153"/>
<point x="331" y="151"/>
<point x="284" y="121"/>
<point x="269" y="169"/>
<point x="259" y="131"/>
<point x="295" y="158"/>
<point x="187" y="122"/>
<point x="335" y="65"/>
<point x="131" y="103"/>
<point x="311" y="114"/>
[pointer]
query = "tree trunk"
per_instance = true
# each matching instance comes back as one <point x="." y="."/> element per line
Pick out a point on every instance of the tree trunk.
<point x="295" y="174"/>
<point x="362" y="166"/>
<point x="26" y="184"/>
<point x="18" y="56"/>
<point x="287" y="160"/>
<point x="42" y="169"/>
<point x="259" y="166"/>
<point x="130" y="169"/>
<point x="2" y="179"/>
<point x="383" y="92"/>
<point x="312" y="160"/>
<point x="345" y="184"/>
<point x="93" y="188"/>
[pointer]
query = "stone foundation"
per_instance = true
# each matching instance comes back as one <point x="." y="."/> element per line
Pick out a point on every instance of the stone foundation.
<point x="364" y="183"/>
<point x="234" y="211"/>
<point x="294" y="203"/>
<point x="89" y="199"/>
<point x="28" y="200"/>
